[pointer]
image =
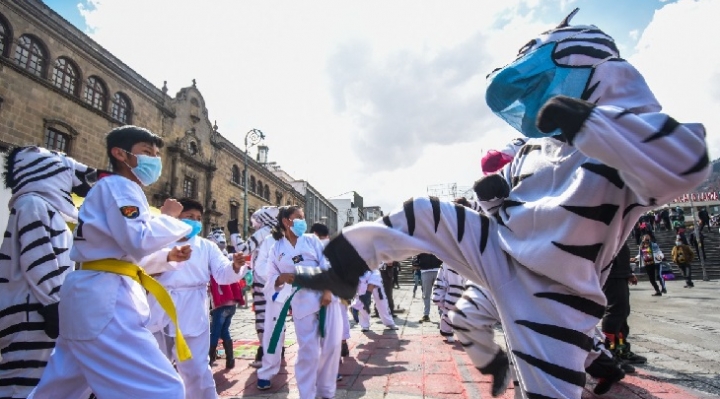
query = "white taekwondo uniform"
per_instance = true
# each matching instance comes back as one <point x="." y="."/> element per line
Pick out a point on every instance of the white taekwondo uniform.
<point x="188" y="288"/>
<point x="104" y="341"/>
<point x="318" y="359"/>
<point x="373" y="277"/>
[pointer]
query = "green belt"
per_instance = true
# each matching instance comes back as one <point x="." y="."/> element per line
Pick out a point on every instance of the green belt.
<point x="280" y="322"/>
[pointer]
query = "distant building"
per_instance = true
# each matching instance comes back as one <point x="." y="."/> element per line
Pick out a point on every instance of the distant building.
<point x="373" y="213"/>
<point x="318" y="209"/>
<point x="349" y="208"/>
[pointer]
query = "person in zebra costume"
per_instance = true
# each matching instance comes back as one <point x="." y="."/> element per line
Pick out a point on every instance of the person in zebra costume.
<point x="600" y="154"/>
<point x="262" y="220"/>
<point x="447" y="290"/>
<point x="34" y="260"/>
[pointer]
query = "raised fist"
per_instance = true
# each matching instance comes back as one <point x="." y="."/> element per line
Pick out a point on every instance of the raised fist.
<point x="491" y="187"/>
<point x="171" y="207"/>
<point x="233" y="226"/>
<point x="179" y="253"/>
<point x="565" y="113"/>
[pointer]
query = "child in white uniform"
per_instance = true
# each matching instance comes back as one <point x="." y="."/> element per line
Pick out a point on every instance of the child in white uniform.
<point x="188" y="288"/>
<point x="318" y="355"/>
<point x="103" y="340"/>
<point x="371" y="281"/>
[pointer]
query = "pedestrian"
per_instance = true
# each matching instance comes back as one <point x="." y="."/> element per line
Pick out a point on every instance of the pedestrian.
<point x="396" y="274"/>
<point x="682" y="255"/>
<point x="417" y="279"/>
<point x="614" y="323"/>
<point x="224" y="302"/>
<point x="318" y="355"/>
<point x="35" y="260"/>
<point x="429" y="266"/>
<point x="103" y="341"/>
<point x="704" y="218"/>
<point x="649" y="256"/>
<point x="386" y="272"/>
<point x="188" y="288"/>
<point x="698" y="245"/>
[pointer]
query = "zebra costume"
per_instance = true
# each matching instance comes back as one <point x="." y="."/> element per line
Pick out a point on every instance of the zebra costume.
<point x="217" y="235"/>
<point x="263" y="220"/>
<point x="572" y="200"/>
<point x="34" y="260"/>
<point x="447" y="290"/>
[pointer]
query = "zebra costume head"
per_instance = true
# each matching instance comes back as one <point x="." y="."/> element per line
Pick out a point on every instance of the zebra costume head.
<point x="265" y="216"/>
<point x="50" y="174"/>
<point x="579" y="61"/>
<point x="217" y="235"/>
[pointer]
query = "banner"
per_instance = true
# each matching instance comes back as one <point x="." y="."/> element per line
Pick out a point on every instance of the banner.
<point x="699" y="197"/>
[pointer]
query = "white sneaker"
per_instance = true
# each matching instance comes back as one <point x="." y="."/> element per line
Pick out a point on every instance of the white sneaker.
<point x="450" y="340"/>
<point x="393" y="327"/>
<point x="256" y="364"/>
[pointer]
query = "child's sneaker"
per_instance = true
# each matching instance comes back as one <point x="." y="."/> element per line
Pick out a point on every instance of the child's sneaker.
<point x="264" y="384"/>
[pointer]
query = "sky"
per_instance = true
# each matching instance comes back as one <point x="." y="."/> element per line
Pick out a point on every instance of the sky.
<point x="386" y="98"/>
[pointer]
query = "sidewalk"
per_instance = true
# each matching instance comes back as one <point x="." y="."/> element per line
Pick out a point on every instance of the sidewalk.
<point x="414" y="362"/>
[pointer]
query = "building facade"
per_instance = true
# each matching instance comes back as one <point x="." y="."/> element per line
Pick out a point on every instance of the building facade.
<point x="349" y="209"/>
<point x="61" y="90"/>
<point x="372" y="213"/>
<point x="317" y="208"/>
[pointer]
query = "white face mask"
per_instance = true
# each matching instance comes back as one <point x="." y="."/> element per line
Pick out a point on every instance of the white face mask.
<point x="678" y="243"/>
<point x="325" y="241"/>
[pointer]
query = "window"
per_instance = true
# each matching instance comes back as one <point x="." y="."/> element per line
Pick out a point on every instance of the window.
<point x="189" y="187"/>
<point x="266" y="194"/>
<point x="29" y="55"/>
<point x="252" y="183"/>
<point x="56" y="141"/>
<point x="65" y="75"/>
<point x="259" y="188"/>
<point x="121" y="108"/>
<point x="242" y="178"/>
<point x="235" y="174"/>
<point x="4" y="35"/>
<point x="95" y="93"/>
<point x="278" y="198"/>
<point x="234" y="211"/>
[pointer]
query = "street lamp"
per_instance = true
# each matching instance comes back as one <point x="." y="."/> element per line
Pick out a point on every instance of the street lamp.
<point x="252" y="137"/>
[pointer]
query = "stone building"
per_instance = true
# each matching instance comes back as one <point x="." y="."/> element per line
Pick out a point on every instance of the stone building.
<point x="62" y="90"/>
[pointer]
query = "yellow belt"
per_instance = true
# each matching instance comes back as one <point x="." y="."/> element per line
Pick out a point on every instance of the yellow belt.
<point x="137" y="273"/>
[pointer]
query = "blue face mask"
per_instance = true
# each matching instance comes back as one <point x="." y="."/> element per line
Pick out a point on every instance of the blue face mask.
<point x="518" y="91"/>
<point x="196" y="227"/>
<point x="299" y="227"/>
<point x="148" y="168"/>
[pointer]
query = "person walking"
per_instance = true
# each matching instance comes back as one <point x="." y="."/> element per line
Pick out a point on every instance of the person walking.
<point x="429" y="266"/>
<point x="650" y="256"/>
<point x="682" y="255"/>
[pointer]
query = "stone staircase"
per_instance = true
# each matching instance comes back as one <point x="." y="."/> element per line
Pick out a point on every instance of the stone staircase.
<point x="666" y="241"/>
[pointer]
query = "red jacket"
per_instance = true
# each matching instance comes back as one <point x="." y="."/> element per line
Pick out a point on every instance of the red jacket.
<point x="224" y="295"/>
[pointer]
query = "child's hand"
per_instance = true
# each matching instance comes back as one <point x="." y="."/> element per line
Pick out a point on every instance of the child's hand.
<point x="285" y="278"/>
<point x="238" y="262"/>
<point x="171" y="208"/>
<point x="370" y="287"/>
<point x="326" y="298"/>
<point x="179" y="254"/>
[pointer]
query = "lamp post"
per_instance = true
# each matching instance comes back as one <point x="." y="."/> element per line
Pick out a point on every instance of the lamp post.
<point x="252" y="137"/>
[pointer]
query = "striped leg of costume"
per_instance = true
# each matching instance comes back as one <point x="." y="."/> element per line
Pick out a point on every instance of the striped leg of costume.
<point x="473" y="319"/>
<point x="548" y="326"/>
<point x="259" y="303"/>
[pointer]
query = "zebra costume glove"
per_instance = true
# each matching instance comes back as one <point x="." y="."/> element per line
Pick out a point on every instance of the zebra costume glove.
<point x="233" y="227"/>
<point x="565" y="113"/>
<point x="52" y="320"/>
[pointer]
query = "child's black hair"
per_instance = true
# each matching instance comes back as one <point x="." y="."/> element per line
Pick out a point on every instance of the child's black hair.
<point x="125" y="137"/>
<point x="284" y="212"/>
<point x="320" y="229"/>
<point x="190" y="204"/>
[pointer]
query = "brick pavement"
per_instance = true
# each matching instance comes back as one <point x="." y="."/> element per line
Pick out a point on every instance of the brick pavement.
<point x="414" y="362"/>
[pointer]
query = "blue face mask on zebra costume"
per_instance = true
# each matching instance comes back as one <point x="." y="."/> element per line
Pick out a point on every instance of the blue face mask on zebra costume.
<point x="516" y="92"/>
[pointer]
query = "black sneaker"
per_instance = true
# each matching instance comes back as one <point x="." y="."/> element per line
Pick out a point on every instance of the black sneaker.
<point x="631" y="358"/>
<point x="627" y="368"/>
<point x="664" y="291"/>
<point x="425" y="319"/>
<point x="344" y="349"/>
<point x="657" y="294"/>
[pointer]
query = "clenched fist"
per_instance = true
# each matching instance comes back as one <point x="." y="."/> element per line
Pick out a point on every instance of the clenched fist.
<point x="238" y="262"/>
<point x="171" y="208"/>
<point x="179" y="253"/>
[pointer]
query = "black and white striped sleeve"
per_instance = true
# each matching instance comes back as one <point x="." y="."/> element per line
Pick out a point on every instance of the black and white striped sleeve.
<point x="655" y="155"/>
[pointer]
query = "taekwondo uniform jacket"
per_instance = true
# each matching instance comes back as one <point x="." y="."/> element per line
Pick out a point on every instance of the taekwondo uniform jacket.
<point x="188" y="287"/>
<point x="114" y="223"/>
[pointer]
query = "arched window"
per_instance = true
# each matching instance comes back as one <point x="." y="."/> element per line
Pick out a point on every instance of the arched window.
<point x="56" y="140"/>
<point x="5" y="35"/>
<point x="278" y="198"/>
<point x="121" y="108"/>
<point x="266" y="195"/>
<point x="235" y="174"/>
<point x="242" y="178"/>
<point x="65" y="75"/>
<point x="259" y="189"/>
<point x="252" y="183"/>
<point x="30" y="55"/>
<point x="95" y="93"/>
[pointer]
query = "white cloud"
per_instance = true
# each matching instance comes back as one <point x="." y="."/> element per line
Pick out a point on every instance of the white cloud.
<point x="677" y="58"/>
<point x="634" y="34"/>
